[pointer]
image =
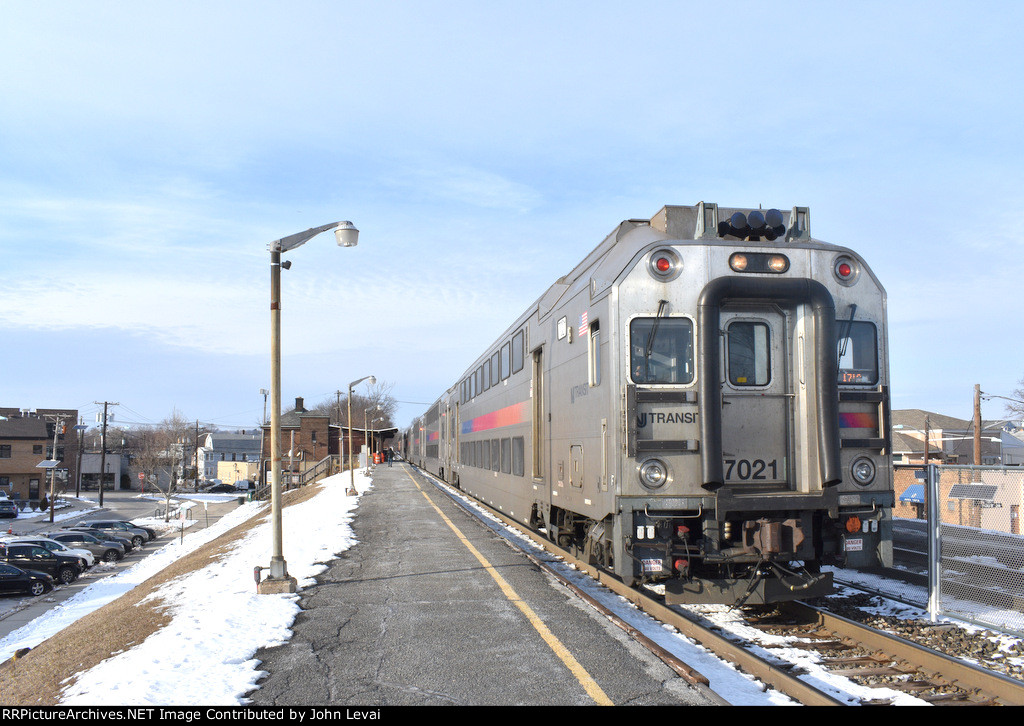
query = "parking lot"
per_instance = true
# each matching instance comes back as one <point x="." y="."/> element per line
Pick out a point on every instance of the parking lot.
<point x="196" y="512"/>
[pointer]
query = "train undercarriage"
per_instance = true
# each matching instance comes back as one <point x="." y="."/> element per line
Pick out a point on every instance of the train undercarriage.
<point x="749" y="558"/>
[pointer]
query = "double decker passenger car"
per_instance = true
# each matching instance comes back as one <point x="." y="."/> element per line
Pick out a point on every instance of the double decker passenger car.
<point x="701" y="403"/>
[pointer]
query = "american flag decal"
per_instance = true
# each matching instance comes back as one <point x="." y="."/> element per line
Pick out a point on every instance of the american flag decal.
<point x="583" y="324"/>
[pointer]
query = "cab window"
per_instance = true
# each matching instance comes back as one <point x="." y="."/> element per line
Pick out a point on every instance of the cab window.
<point x="857" y="352"/>
<point x="661" y="350"/>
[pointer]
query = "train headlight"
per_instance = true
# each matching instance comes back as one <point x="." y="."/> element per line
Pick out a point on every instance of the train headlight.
<point x="863" y="471"/>
<point x="758" y="262"/>
<point x="653" y="474"/>
<point x="665" y="265"/>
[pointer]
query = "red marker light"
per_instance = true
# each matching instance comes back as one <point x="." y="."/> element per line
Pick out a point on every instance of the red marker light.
<point x="845" y="270"/>
<point x="664" y="265"/>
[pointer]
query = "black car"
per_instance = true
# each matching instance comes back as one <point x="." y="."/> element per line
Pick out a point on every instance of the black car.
<point x="8" y="508"/>
<point x="222" y="488"/>
<point x="16" y="581"/>
<point x="60" y="567"/>
<point x="148" y="530"/>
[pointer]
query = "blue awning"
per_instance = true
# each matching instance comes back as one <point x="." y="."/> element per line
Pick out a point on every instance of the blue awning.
<point x="914" y="494"/>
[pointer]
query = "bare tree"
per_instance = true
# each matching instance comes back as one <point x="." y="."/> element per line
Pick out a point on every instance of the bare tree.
<point x="1017" y="406"/>
<point x="376" y="403"/>
<point x="161" y="452"/>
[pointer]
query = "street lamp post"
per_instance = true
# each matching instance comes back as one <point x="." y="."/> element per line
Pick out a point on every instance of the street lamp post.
<point x="347" y="236"/>
<point x="366" y="434"/>
<point x="352" y="472"/>
<point x="373" y="428"/>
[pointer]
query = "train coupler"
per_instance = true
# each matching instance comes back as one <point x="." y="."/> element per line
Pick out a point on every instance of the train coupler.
<point x="762" y="590"/>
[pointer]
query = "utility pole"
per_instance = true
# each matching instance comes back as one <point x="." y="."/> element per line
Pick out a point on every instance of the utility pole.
<point x="926" y="435"/>
<point x="977" y="430"/>
<point x="195" y="481"/>
<point x="57" y="429"/>
<point x="103" y="448"/>
<point x="81" y="444"/>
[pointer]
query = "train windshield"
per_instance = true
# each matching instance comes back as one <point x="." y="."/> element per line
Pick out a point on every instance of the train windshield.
<point x="661" y="350"/>
<point x="858" y="352"/>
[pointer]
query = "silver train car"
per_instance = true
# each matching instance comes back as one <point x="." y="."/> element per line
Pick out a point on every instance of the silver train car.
<point x="702" y="404"/>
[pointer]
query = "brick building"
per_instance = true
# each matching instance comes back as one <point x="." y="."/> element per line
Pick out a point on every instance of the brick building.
<point x="306" y="438"/>
<point x="27" y="440"/>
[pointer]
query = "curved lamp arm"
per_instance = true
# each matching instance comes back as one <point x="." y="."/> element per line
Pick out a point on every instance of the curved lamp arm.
<point x="345" y="232"/>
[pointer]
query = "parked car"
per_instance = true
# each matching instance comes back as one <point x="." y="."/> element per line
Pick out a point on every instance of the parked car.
<point x="222" y="488"/>
<point x="105" y="550"/>
<point x="148" y="530"/>
<point x="8" y="508"/>
<point x="62" y="568"/>
<point x="103" y="534"/>
<point x="137" y="535"/>
<point x="87" y="558"/>
<point x="16" y="581"/>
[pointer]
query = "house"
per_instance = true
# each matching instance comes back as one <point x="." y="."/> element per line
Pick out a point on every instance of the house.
<point x="989" y="498"/>
<point x="240" y="448"/>
<point x="1012" y="441"/>
<point x="26" y="441"/>
<point x="949" y="440"/>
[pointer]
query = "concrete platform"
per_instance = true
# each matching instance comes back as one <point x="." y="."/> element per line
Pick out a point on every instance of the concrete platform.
<point x="433" y="608"/>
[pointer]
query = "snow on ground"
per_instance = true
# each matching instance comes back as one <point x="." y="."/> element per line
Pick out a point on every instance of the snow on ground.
<point x="205" y="655"/>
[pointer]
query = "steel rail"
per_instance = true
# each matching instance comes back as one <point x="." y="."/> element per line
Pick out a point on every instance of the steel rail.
<point x="939" y="666"/>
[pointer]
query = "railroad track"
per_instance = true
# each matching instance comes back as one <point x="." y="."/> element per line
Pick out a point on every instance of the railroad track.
<point x="866" y="657"/>
<point x="879" y="659"/>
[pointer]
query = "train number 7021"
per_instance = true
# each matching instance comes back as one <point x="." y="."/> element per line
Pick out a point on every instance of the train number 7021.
<point x="747" y="470"/>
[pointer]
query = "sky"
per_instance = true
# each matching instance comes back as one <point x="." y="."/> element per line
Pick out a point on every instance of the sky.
<point x="150" y="152"/>
<point x="206" y="654"/>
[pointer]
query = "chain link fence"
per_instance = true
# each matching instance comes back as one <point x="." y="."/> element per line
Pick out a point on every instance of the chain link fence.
<point x="960" y="526"/>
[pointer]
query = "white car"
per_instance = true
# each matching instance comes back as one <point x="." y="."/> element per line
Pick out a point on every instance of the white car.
<point x="87" y="557"/>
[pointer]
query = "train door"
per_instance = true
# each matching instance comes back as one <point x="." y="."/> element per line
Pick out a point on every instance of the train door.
<point x="757" y="397"/>
<point x="449" y="443"/>
<point x="539" y="414"/>
<point x="457" y="447"/>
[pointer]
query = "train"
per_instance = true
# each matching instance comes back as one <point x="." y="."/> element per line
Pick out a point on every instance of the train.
<point x="700" y="406"/>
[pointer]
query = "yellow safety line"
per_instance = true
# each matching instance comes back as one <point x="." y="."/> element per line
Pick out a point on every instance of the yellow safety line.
<point x="588" y="683"/>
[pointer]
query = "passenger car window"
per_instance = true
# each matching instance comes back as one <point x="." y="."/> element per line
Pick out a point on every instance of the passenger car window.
<point x="857" y="352"/>
<point x="661" y="350"/>
<point x="518" y="345"/>
<point x="749" y="354"/>
<point x="506" y="361"/>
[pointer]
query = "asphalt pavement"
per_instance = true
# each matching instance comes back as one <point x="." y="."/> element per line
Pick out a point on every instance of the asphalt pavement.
<point x="430" y="607"/>
<point x="17" y="611"/>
